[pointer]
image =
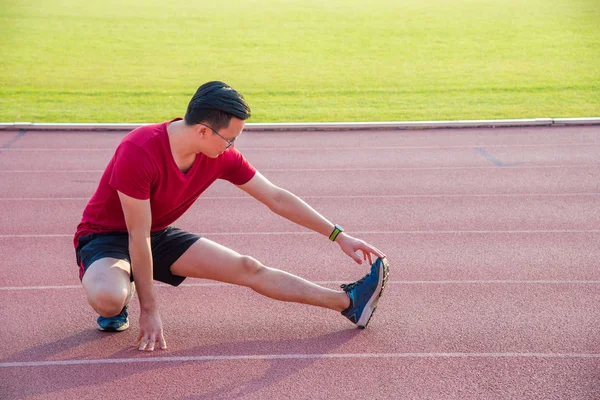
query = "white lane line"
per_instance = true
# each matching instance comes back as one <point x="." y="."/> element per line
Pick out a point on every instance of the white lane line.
<point x="59" y="287"/>
<point x="358" y="169"/>
<point x="292" y="148"/>
<point x="44" y="198"/>
<point x="442" y="282"/>
<point x="400" y="196"/>
<point x="50" y="171"/>
<point x="251" y="357"/>
<point x="465" y="232"/>
<point x="58" y="235"/>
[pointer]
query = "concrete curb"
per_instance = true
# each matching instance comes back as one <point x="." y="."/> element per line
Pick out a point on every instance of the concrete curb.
<point x="323" y="126"/>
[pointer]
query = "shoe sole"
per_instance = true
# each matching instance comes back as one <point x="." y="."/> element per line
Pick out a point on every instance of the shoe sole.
<point x="374" y="300"/>
<point x="119" y="329"/>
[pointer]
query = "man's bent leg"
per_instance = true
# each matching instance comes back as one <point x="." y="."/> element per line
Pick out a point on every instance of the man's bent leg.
<point x="107" y="286"/>
<point x="209" y="260"/>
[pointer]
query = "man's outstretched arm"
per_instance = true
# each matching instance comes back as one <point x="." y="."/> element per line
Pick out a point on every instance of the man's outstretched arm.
<point x="290" y="206"/>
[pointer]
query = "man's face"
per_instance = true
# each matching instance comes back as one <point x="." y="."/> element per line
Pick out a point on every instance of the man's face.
<point x="219" y="141"/>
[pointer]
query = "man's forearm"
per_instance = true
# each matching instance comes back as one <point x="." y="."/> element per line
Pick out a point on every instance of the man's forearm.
<point x="141" y="265"/>
<point x="296" y="210"/>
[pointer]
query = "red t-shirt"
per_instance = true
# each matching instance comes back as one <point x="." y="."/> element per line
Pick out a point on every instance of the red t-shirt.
<point x="143" y="167"/>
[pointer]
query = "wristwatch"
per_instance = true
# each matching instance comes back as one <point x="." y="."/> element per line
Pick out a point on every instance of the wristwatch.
<point x="336" y="231"/>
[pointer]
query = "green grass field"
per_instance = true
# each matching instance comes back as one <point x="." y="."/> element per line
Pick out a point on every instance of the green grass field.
<point x="300" y="60"/>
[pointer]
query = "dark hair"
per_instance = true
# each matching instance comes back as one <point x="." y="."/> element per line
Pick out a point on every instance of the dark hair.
<point x="216" y="103"/>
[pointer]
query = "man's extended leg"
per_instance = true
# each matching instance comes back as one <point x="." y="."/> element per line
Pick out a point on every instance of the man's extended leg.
<point x="109" y="290"/>
<point x="209" y="260"/>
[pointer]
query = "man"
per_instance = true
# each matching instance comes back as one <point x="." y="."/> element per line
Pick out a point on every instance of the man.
<point x="155" y="175"/>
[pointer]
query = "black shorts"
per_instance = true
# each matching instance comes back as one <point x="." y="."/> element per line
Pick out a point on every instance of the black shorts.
<point x="167" y="246"/>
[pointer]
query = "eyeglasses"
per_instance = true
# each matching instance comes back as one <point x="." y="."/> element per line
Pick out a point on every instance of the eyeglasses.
<point x="229" y="142"/>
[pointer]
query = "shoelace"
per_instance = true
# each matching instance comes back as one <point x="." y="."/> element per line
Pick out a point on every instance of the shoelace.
<point x="350" y="286"/>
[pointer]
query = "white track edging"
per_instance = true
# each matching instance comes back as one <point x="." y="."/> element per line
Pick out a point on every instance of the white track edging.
<point x="322" y="126"/>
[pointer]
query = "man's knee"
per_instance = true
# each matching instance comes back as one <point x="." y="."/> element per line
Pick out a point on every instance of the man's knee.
<point x="106" y="294"/>
<point x="107" y="286"/>
<point x="250" y="267"/>
<point x="107" y="302"/>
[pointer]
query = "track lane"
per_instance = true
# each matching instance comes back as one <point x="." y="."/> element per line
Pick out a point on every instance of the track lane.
<point x="572" y="212"/>
<point x="490" y="181"/>
<point x="229" y="320"/>
<point x="332" y="158"/>
<point x="50" y="261"/>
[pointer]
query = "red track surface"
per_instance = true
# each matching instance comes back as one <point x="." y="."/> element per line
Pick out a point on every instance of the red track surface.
<point x="494" y="291"/>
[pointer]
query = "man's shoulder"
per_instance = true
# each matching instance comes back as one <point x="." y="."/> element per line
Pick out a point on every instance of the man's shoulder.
<point x="231" y="154"/>
<point x="143" y="145"/>
<point x="142" y="135"/>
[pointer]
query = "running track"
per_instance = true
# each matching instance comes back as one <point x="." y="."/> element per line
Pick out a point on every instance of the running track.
<point x="493" y="237"/>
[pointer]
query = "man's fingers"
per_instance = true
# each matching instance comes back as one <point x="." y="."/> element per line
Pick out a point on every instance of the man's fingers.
<point x="368" y="255"/>
<point x="374" y="250"/>
<point x="151" y="343"/>
<point x="143" y="343"/>
<point x="368" y="250"/>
